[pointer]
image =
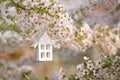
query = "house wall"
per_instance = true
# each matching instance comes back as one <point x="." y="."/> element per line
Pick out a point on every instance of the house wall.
<point x="45" y="51"/>
<point x="51" y="52"/>
<point x="37" y="53"/>
<point x="45" y="39"/>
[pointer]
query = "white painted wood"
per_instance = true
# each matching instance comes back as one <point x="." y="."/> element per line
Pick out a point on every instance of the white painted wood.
<point x="35" y="43"/>
<point x="45" y="50"/>
<point x="45" y="39"/>
<point x="41" y="47"/>
<point x="37" y="53"/>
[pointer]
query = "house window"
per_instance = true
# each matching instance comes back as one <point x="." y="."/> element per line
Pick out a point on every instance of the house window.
<point x="45" y="52"/>
<point x="48" y="54"/>
<point x="48" y="46"/>
<point x="42" y="55"/>
<point x="42" y="46"/>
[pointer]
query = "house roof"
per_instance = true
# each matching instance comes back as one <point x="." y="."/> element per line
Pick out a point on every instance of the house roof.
<point x="37" y="39"/>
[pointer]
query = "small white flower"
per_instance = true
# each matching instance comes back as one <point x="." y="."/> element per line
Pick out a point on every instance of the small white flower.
<point x="85" y="72"/>
<point x="98" y="64"/>
<point x="95" y="72"/>
<point x="90" y="66"/>
<point x="61" y="7"/>
<point x="80" y="66"/>
<point x="86" y="58"/>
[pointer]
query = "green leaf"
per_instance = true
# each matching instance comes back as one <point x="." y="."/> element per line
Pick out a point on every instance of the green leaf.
<point x="1" y="17"/>
<point x="38" y="78"/>
<point x="3" y="78"/>
<point x="51" y="25"/>
<point x="70" y="77"/>
<point x="106" y="62"/>
<point x="11" y="17"/>
<point x="56" y="16"/>
<point x="7" y="5"/>
<point x="28" y="31"/>
<point x="41" y="4"/>
<point x="38" y="9"/>
<point x="46" y="78"/>
<point x="1" y="65"/>
<point x="17" y="9"/>
<point x="117" y="54"/>
<point x="51" y="0"/>
<point x="12" y="26"/>
<point x="21" y="1"/>
<point x="113" y="40"/>
<point x="2" y="1"/>
<point x="35" y="31"/>
<point x="26" y="77"/>
<point x="78" y="36"/>
<point x="29" y="13"/>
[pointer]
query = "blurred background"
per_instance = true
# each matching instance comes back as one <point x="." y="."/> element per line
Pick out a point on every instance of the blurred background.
<point x="18" y="58"/>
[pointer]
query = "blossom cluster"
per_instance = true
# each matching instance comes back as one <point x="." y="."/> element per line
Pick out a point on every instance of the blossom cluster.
<point x="94" y="11"/>
<point x="101" y="38"/>
<point x="29" y="17"/>
<point x="107" y="68"/>
<point x="26" y="18"/>
<point x="87" y="8"/>
<point x="107" y="39"/>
